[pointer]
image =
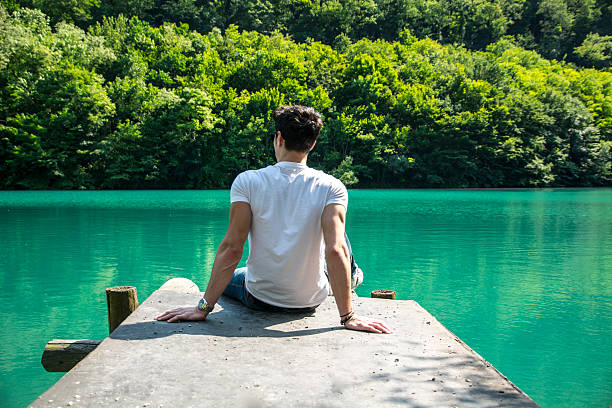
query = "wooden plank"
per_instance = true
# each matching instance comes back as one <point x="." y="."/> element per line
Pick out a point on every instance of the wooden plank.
<point x="63" y="355"/>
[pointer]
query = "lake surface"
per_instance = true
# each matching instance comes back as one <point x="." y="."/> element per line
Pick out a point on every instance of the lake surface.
<point x="524" y="277"/>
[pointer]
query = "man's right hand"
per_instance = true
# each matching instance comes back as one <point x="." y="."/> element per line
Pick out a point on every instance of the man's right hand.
<point x="361" y="324"/>
<point x="182" y="314"/>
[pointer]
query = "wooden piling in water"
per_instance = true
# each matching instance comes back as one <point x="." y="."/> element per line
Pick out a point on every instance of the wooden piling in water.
<point x="383" y="294"/>
<point x="121" y="301"/>
<point x="63" y="355"/>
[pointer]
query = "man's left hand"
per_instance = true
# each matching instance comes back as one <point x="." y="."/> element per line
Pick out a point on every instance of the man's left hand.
<point x="361" y="324"/>
<point x="181" y="314"/>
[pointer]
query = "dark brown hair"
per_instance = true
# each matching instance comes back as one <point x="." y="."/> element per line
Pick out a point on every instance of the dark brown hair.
<point x="299" y="126"/>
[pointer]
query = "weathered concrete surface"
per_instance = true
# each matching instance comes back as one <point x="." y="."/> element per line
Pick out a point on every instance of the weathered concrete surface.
<point x="242" y="358"/>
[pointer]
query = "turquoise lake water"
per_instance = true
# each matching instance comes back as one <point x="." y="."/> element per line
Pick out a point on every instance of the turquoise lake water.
<point x="524" y="277"/>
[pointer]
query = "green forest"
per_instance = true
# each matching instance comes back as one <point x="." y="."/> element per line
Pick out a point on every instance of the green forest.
<point x="152" y="94"/>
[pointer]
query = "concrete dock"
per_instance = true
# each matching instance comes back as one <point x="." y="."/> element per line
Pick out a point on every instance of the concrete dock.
<point x="243" y="358"/>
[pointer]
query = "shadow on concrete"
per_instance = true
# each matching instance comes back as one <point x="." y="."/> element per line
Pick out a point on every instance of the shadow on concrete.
<point x="439" y="373"/>
<point x="235" y="320"/>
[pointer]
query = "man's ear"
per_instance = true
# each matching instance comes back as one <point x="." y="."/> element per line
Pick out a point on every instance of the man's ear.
<point x="313" y="145"/>
<point x="281" y="139"/>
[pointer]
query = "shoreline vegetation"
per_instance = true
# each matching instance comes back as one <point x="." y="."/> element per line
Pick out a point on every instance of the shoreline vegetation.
<point x="117" y="102"/>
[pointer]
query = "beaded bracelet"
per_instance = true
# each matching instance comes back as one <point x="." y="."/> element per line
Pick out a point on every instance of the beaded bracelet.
<point x="348" y="317"/>
<point x="346" y="314"/>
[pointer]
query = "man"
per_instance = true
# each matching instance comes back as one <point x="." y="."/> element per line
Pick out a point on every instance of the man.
<point x="294" y="218"/>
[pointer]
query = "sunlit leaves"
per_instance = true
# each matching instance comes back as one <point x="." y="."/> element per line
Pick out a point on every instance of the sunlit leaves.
<point x="131" y="105"/>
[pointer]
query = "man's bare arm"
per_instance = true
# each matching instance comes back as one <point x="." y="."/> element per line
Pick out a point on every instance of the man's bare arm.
<point x="229" y="251"/>
<point x="227" y="258"/>
<point x="339" y="268"/>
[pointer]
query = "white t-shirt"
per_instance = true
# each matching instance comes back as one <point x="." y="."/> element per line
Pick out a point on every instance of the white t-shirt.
<point x="286" y="248"/>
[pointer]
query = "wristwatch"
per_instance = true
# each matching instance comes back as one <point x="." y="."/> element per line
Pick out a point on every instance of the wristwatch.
<point x="204" y="306"/>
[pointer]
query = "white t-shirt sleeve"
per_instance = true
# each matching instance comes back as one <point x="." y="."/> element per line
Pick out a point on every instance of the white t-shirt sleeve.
<point x="337" y="194"/>
<point x="240" y="189"/>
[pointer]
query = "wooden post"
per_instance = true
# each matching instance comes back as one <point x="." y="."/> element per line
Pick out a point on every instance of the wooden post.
<point x="383" y="294"/>
<point x="61" y="355"/>
<point x="120" y="301"/>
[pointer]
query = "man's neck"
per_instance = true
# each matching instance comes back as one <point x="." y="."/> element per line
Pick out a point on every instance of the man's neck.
<point x="291" y="156"/>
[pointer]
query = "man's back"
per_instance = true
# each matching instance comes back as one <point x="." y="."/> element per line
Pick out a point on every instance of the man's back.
<point x="290" y="214"/>
<point x="285" y="240"/>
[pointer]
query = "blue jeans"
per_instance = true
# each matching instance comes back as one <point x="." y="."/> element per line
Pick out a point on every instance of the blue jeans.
<point x="237" y="290"/>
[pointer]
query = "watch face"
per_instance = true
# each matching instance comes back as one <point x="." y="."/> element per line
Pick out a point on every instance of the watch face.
<point x="204" y="306"/>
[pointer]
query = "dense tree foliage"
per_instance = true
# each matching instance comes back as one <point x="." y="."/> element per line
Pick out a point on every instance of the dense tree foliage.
<point x="129" y="105"/>
<point x="571" y="30"/>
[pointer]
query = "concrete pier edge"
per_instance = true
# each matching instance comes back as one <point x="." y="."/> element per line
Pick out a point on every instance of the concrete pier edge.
<point x="240" y="357"/>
